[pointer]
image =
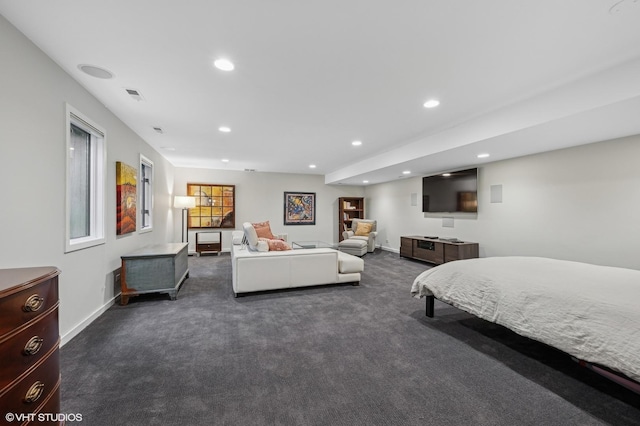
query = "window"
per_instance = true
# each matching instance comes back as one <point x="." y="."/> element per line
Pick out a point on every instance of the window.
<point x="146" y="194"/>
<point x="86" y="156"/>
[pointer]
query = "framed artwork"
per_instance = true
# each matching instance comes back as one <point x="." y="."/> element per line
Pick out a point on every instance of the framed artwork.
<point x="299" y="208"/>
<point x="215" y="205"/>
<point x="126" y="196"/>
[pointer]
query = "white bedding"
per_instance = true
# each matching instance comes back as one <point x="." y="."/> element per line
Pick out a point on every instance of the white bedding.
<point x="588" y="311"/>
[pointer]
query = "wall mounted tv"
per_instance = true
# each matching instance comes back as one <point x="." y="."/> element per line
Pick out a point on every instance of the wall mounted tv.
<point x="451" y="192"/>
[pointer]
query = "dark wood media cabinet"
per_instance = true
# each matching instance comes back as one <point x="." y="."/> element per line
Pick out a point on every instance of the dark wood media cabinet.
<point x="434" y="250"/>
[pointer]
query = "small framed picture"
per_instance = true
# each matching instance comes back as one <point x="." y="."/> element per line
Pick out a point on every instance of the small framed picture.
<point x="299" y="208"/>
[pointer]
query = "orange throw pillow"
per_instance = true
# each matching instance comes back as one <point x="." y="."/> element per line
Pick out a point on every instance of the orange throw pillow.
<point x="363" y="229"/>
<point x="276" y="245"/>
<point x="263" y="229"/>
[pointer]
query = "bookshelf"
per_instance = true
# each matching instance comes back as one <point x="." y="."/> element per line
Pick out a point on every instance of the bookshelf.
<point x="349" y="208"/>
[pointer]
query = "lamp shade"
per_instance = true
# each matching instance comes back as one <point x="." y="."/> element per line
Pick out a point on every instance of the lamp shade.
<point x="184" y="202"/>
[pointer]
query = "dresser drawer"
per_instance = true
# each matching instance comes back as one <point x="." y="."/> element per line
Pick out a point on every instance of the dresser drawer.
<point x="50" y="406"/>
<point x="22" y="350"/>
<point x="30" y="393"/>
<point x="19" y="308"/>
<point x="209" y="246"/>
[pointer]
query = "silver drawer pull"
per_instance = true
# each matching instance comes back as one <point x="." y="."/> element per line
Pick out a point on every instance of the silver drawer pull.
<point x="33" y="346"/>
<point x="34" y="393"/>
<point x="33" y="303"/>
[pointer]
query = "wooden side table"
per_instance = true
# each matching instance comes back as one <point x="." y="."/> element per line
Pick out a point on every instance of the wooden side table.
<point x="210" y="241"/>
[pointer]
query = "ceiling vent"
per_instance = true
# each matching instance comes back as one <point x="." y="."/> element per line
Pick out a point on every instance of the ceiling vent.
<point x="135" y="94"/>
<point x="158" y="130"/>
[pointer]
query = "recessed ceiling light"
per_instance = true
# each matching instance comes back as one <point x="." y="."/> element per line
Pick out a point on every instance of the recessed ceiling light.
<point x="225" y="160"/>
<point x="224" y="129"/>
<point x="406" y="172"/>
<point x="485" y="155"/>
<point x="365" y="181"/>
<point x="431" y="103"/>
<point x="224" y="64"/>
<point x="312" y="166"/>
<point x="446" y="174"/>
<point x="356" y="143"/>
<point x="94" y="71"/>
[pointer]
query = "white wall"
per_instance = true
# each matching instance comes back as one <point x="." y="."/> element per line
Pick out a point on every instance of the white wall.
<point x="260" y="197"/>
<point x="580" y="203"/>
<point x="33" y="92"/>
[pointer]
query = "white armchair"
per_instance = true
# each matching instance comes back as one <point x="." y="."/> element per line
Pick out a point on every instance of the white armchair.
<point x="369" y="237"/>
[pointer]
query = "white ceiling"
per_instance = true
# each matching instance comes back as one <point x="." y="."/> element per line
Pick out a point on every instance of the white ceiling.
<point x="513" y="78"/>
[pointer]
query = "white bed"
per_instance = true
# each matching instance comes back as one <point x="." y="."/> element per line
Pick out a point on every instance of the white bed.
<point x="590" y="312"/>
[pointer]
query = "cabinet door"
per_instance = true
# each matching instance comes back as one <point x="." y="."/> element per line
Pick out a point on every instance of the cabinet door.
<point x="406" y="247"/>
<point x="460" y="251"/>
<point x="428" y="251"/>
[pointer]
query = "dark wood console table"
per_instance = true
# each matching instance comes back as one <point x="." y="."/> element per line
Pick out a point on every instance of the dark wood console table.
<point x="435" y="250"/>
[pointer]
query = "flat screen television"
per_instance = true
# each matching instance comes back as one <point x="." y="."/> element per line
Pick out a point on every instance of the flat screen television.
<point x="451" y="192"/>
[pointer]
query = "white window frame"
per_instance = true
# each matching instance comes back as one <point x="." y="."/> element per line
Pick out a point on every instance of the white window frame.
<point x="98" y="179"/>
<point x="145" y="162"/>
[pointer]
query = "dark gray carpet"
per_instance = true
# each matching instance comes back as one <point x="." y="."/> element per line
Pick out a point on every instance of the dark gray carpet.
<point x="330" y="355"/>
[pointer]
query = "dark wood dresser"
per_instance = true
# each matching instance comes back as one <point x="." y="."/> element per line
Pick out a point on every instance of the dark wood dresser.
<point x="29" y="340"/>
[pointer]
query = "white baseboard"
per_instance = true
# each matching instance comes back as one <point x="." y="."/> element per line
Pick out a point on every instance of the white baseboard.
<point x="82" y="325"/>
<point x="391" y="249"/>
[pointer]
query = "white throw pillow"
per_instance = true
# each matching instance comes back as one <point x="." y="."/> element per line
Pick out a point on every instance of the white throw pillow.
<point x="252" y="235"/>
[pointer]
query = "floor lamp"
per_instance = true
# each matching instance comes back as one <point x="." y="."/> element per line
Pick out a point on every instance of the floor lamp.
<point x="185" y="203"/>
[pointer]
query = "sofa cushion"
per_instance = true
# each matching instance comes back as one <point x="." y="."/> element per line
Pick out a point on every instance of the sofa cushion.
<point x="261" y="246"/>
<point x="250" y="233"/>
<point x="236" y="237"/>
<point x="349" y="264"/>
<point x="263" y="229"/>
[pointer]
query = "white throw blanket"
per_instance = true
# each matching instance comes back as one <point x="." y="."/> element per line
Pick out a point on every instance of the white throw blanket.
<point x="588" y="311"/>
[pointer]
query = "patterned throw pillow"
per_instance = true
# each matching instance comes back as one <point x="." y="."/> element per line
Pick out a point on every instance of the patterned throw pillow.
<point x="363" y="229"/>
<point x="276" y="245"/>
<point x="263" y="229"/>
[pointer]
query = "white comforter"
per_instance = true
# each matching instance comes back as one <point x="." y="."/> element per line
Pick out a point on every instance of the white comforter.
<point x="588" y="311"/>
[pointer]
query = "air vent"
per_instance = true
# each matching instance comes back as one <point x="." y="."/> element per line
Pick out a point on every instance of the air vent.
<point x="158" y="130"/>
<point x="135" y="94"/>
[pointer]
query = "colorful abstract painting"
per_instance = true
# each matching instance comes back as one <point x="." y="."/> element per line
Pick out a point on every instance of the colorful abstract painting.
<point x="126" y="196"/>
<point x="299" y="208"/>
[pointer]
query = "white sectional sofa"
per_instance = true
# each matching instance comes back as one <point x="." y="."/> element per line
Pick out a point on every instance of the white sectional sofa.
<point x="254" y="270"/>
